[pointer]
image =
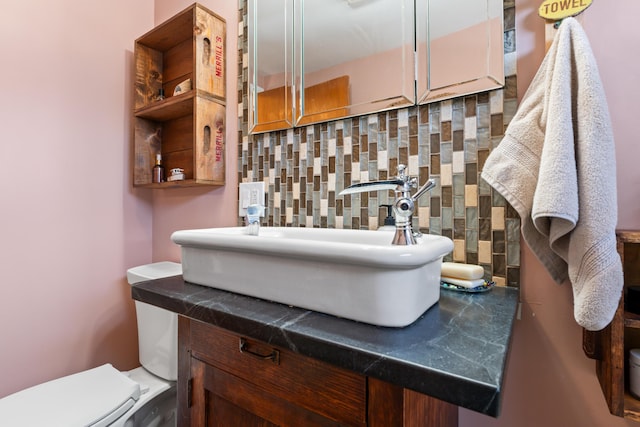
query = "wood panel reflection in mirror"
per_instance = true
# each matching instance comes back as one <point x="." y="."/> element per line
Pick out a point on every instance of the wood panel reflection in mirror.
<point x="326" y="101"/>
<point x="273" y="110"/>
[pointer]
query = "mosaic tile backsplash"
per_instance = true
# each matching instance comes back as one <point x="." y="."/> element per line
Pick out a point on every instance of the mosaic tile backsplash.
<point x="305" y="168"/>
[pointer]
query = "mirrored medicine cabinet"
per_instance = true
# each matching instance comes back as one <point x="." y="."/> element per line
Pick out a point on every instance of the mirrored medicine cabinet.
<point x="316" y="60"/>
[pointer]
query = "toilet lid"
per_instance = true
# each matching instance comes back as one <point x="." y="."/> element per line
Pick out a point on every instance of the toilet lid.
<point x="91" y="398"/>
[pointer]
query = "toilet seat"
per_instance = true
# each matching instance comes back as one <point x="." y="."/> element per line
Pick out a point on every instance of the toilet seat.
<point x="95" y="398"/>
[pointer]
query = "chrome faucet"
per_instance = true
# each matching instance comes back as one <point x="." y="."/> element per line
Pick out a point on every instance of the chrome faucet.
<point x="403" y="206"/>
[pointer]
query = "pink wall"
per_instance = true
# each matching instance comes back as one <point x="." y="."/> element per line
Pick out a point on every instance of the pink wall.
<point x="549" y="381"/>
<point x="202" y="207"/>
<point x="73" y="212"/>
<point x="69" y="221"/>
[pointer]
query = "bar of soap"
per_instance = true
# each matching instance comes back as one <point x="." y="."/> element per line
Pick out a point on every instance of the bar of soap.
<point x="458" y="270"/>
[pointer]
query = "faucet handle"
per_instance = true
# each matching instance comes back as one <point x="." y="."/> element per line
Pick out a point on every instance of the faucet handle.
<point x="426" y="187"/>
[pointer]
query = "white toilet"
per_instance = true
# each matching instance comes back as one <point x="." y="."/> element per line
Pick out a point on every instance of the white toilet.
<point x="104" y="396"/>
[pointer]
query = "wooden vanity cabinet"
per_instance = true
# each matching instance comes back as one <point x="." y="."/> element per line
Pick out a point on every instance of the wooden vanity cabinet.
<point x="610" y="346"/>
<point x="228" y="380"/>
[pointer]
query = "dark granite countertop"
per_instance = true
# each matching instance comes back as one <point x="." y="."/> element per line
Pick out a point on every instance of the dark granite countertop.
<point x="455" y="352"/>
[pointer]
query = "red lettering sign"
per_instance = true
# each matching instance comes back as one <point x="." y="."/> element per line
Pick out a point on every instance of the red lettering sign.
<point x="219" y="52"/>
<point x="219" y="144"/>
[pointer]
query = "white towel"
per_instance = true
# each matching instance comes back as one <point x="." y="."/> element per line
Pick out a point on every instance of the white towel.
<point x="556" y="166"/>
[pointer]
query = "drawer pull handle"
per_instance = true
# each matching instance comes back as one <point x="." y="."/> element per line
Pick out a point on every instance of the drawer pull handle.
<point x="274" y="356"/>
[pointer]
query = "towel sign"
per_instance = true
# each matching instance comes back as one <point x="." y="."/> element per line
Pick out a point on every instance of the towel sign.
<point x="555" y="10"/>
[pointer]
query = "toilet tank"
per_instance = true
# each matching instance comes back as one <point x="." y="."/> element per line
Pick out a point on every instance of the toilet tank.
<point x="157" y="328"/>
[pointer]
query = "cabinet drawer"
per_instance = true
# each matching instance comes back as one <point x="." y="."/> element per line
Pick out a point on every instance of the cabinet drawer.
<point x="322" y="388"/>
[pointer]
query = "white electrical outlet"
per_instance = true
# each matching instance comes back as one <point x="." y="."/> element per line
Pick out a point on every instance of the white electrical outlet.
<point x="251" y="193"/>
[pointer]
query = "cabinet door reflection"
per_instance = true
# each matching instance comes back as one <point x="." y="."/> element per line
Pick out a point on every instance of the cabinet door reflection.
<point x="368" y="43"/>
<point x="270" y="60"/>
<point x="459" y="46"/>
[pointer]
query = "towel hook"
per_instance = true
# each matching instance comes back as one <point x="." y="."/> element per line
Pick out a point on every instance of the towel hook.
<point x="557" y="10"/>
<point x="554" y="11"/>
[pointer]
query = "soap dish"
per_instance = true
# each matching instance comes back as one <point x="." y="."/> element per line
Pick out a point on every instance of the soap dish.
<point x="487" y="286"/>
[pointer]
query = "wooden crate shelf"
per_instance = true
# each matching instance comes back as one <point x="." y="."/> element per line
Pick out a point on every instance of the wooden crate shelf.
<point x="187" y="129"/>
<point x="610" y="346"/>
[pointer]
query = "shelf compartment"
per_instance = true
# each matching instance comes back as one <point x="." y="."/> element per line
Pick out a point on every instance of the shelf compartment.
<point x="191" y="45"/>
<point x="193" y="141"/>
<point x="610" y="346"/>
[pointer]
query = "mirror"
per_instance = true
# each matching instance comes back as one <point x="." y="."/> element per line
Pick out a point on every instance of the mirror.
<point x="353" y="57"/>
<point x="270" y="50"/>
<point x="346" y="58"/>
<point x="316" y="60"/>
<point x="473" y="31"/>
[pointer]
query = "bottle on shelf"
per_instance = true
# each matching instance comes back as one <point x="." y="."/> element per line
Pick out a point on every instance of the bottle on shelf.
<point x="158" y="170"/>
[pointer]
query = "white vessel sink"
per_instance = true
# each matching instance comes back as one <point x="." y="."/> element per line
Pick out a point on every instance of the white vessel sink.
<point x="355" y="274"/>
